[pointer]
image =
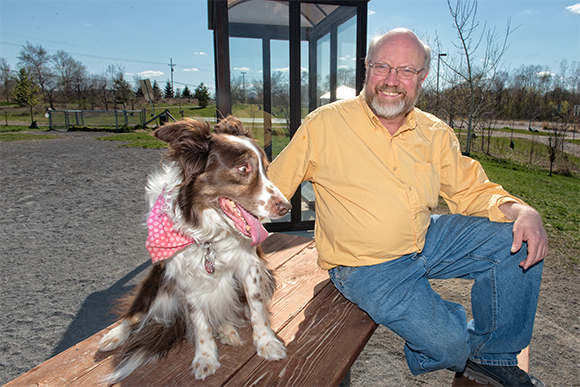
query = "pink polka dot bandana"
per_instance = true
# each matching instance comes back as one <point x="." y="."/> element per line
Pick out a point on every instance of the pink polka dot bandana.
<point x="162" y="240"/>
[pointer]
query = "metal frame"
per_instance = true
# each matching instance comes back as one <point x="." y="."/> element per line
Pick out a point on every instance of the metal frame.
<point x="294" y="33"/>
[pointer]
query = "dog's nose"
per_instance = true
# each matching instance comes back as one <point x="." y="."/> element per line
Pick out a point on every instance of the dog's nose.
<point x="282" y="207"/>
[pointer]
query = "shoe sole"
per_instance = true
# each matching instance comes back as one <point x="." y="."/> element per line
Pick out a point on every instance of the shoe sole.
<point x="481" y="378"/>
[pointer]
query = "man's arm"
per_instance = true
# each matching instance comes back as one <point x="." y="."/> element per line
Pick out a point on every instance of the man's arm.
<point x="294" y="164"/>
<point x="528" y="228"/>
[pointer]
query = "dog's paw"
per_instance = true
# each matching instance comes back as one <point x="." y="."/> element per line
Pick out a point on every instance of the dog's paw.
<point x="271" y="349"/>
<point x="115" y="338"/>
<point x="204" y="365"/>
<point x="229" y="335"/>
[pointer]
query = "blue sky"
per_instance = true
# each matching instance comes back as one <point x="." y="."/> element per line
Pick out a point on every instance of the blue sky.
<point x="142" y="36"/>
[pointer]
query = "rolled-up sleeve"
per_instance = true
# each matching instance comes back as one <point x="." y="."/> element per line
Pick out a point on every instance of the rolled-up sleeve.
<point x="466" y="188"/>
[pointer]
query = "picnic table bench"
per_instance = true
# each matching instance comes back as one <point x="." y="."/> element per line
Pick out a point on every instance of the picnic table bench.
<point x="323" y="332"/>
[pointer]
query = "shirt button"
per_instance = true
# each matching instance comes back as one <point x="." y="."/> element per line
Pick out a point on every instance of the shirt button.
<point x="394" y="168"/>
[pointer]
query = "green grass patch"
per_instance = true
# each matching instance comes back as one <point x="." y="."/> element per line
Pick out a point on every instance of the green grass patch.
<point x="135" y="140"/>
<point x="19" y="136"/>
<point x="188" y="111"/>
<point x="555" y="197"/>
<point x="18" y="128"/>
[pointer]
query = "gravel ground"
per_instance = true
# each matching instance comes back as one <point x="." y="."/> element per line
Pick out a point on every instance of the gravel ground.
<point x="72" y="241"/>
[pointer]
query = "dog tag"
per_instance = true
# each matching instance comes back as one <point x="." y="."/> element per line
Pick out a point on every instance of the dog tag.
<point x="207" y="259"/>
<point x="209" y="267"/>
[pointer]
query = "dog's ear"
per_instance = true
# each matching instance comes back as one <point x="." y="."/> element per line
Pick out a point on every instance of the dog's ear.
<point x="231" y="125"/>
<point x="189" y="142"/>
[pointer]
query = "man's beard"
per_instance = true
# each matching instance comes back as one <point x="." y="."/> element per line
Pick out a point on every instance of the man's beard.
<point x="386" y="109"/>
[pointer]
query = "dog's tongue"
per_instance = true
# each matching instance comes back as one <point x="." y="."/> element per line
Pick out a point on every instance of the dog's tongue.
<point x="257" y="231"/>
<point x="248" y="224"/>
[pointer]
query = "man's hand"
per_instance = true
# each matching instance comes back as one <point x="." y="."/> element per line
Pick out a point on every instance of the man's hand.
<point x="528" y="228"/>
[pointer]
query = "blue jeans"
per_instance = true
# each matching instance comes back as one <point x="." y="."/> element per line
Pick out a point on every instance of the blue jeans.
<point x="398" y="295"/>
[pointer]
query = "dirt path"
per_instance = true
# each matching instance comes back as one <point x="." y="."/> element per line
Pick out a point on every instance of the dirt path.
<point x="72" y="240"/>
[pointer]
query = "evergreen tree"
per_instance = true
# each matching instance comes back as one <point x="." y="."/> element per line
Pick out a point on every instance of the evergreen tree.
<point x="168" y="92"/>
<point x="156" y="91"/>
<point x="25" y="92"/>
<point x="186" y="92"/>
<point x="202" y="95"/>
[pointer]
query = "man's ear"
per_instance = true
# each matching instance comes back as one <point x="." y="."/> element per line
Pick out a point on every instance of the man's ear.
<point x="423" y="80"/>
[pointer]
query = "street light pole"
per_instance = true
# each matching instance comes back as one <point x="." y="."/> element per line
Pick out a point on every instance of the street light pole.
<point x="438" y="60"/>
<point x="243" y="85"/>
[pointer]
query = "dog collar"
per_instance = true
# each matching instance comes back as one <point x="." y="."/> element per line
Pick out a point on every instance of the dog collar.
<point x="163" y="241"/>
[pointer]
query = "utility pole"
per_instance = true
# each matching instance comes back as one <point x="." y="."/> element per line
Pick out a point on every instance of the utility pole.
<point x="438" y="60"/>
<point x="172" y="65"/>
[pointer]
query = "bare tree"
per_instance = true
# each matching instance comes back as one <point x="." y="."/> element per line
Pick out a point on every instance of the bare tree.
<point x="6" y="78"/>
<point x="71" y="75"/>
<point x="121" y="87"/>
<point x="36" y="60"/>
<point x="477" y="74"/>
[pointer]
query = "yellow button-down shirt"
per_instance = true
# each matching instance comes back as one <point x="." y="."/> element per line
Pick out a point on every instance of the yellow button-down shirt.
<point x="375" y="192"/>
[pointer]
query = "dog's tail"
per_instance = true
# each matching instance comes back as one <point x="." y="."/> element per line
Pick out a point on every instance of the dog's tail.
<point x="153" y="340"/>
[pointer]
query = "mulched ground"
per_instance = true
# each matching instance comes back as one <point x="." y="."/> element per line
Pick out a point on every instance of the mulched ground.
<point x="72" y="241"/>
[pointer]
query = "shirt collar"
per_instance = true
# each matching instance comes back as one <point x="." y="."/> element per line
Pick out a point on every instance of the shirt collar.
<point x="410" y="123"/>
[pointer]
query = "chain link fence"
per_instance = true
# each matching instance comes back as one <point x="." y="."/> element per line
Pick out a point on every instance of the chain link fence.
<point x="118" y="119"/>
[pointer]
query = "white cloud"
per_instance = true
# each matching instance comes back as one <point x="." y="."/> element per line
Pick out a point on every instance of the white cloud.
<point x="200" y="53"/>
<point x="545" y="73"/>
<point x="287" y="69"/>
<point x="371" y="12"/>
<point x="242" y="69"/>
<point x="88" y="25"/>
<point x="150" y="73"/>
<point x="191" y="69"/>
<point x="574" y="8"/>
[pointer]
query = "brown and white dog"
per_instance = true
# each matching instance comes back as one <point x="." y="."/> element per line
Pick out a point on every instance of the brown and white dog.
<point x="208" y="275"/>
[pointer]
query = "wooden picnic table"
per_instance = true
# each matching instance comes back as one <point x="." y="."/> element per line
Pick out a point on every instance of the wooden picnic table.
<point x="323" y="332"/>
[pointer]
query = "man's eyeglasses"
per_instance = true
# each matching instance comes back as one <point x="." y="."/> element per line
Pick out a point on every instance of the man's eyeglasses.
<point x="403" y="72"/>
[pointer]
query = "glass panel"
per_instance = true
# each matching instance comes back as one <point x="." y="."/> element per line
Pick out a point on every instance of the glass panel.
<point x="323" y="69"/>
<point x="346" y="46"/>
<point x="247" y="85"/>
<point x="280" y="86"/>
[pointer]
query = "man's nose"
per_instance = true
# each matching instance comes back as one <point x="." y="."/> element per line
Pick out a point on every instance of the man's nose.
<point x="391" y="79"/>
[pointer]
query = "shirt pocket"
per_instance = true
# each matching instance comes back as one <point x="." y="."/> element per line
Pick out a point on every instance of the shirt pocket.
<point x="428" y="183"/>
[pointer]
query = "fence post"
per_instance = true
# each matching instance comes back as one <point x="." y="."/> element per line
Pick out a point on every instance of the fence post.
<point x="126" y="118"/>
<point x="116" y="121"/>
<point x="49" y="119"/>
<point x="66" y="123"/>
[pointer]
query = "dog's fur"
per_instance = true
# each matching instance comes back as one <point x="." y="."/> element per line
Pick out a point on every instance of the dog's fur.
<point x="180" y="298"/>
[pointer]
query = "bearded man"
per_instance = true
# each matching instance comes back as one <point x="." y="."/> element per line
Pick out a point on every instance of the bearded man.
<point x="378" y="166"/>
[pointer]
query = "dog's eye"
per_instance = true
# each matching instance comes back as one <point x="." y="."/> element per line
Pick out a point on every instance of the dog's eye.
<point x="244" y="169"/>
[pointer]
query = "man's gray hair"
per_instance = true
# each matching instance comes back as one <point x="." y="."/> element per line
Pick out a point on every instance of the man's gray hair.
<point x="375" y="40"/>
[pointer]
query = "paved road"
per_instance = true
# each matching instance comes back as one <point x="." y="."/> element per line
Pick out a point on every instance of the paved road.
<point x="569" y="147"/>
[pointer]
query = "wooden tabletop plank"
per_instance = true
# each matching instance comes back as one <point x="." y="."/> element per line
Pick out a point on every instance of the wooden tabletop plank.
<point x="296" y="284"/>
<point x="279" y="248"/>
<point x="324" y="338"/>
<point x="67" y="366"/>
